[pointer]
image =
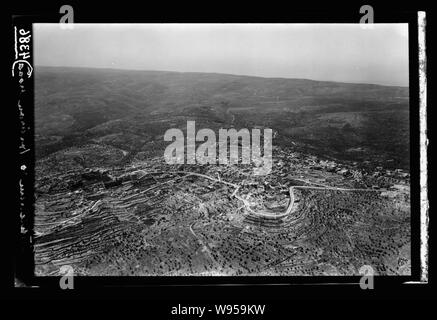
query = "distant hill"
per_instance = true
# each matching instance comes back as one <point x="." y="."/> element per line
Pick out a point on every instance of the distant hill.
<point x="359" y="122"/>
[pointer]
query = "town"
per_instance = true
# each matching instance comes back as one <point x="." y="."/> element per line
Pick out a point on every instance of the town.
<point x="231" y="150"/>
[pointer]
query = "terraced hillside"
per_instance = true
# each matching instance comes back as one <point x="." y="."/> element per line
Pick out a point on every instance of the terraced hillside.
<point x="148" y="218"/>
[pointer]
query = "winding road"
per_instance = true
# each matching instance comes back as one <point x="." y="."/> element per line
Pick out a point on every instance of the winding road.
<point x="290" y="207"/>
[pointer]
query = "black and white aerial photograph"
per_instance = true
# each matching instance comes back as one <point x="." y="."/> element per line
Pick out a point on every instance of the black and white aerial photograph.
<point x="276" y="149"/>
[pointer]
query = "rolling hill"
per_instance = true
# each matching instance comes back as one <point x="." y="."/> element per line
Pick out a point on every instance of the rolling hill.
<point x="356" y="122"/>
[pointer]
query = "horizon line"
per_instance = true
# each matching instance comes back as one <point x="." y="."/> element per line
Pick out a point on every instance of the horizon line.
<point x="221" y="73"/>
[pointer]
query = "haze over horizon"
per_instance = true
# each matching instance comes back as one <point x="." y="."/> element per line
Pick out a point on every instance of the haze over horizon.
<point x="321" y="52"/>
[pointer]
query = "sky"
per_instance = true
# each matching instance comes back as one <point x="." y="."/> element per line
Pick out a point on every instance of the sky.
<point x="354" y="53"/>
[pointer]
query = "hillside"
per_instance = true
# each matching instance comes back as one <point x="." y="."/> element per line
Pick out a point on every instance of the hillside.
<point x="357" y="122"/>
